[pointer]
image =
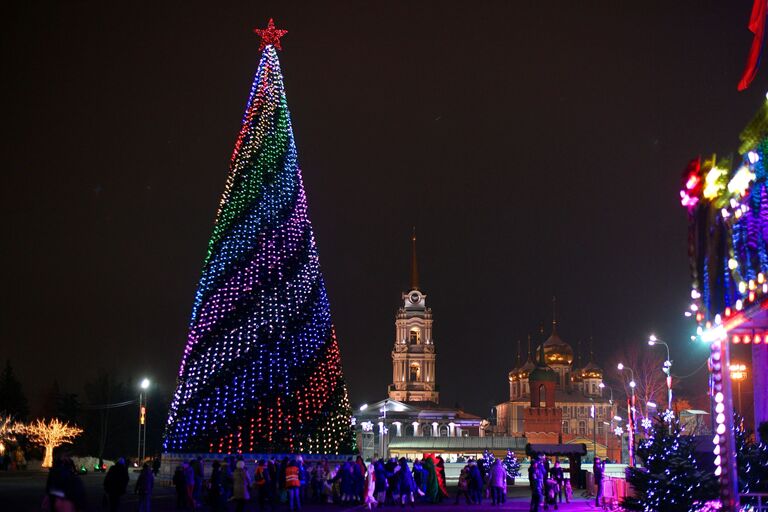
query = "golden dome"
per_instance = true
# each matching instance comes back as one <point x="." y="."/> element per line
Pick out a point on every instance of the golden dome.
<point x="556" y="351"/>
<point x="591" y="371"/>
<point x="522" y="372"/>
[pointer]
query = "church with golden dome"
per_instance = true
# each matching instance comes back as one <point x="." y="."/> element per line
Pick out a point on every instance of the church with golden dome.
<point x="554" y="398"/>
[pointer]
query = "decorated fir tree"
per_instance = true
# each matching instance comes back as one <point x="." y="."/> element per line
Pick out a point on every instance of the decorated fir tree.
<point x="751" y="459"/>
<point x="511" y="464"/>
<point x="261" y="371"/>
<point x="670" y="479"/>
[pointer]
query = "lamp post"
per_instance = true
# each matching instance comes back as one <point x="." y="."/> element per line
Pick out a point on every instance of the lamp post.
<point x="383" y="430"/>
<point x="738" y="374"/>
<point x="142" y="448"/>
<point x="593" y="413"/>
<point x="631" y="413"/>
<point x="667" y="369"/>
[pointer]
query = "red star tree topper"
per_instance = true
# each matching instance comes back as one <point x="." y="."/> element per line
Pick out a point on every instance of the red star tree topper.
<point x="270" y="35"/>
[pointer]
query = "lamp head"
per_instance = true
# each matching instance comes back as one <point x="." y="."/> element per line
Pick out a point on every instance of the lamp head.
<point x="601" y="385"/>
<point x="632" y="384"/>
<point x="144" y="384"/>
<point x="620" y="366"/>
<point x="652" y="339"/>
<point x="617" y="418"/>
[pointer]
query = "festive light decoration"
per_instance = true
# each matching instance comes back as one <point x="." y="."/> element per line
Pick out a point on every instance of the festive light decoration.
<point x="8" y="429"/>
<point x="671" y="479"/>
<point x="261" y="371"/>
<point x="270" y="35"/>
<point x="511" y="464"/>
<point x="50" y="435"/>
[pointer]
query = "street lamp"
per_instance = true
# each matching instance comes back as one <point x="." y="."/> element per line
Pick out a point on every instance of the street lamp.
<point x="738" y="374"/>
<point x="667" y="369"/>
<point x="631" y="413"/>
<point x="602" y="385"/>
<point x="383" y="430"/>
<point x="142" y="448"/>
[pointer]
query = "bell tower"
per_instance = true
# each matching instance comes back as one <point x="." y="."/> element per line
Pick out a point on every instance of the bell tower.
<point x="413" y="356"/>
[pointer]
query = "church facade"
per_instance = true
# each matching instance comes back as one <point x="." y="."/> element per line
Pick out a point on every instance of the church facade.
<point x="553" y="400"/>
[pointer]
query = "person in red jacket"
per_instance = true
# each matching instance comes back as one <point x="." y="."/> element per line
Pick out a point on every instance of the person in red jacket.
<point x="292" y="485"/>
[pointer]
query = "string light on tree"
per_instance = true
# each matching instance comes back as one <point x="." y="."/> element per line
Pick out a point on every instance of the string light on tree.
<point x="50" y="435"/>
<point x="261" y="370"/>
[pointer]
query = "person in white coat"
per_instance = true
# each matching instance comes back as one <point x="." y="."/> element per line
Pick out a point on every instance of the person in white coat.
<point x="370" y="486"/>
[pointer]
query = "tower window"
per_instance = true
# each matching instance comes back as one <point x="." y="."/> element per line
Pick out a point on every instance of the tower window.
<point x="415" y="336"/>
<point x="415" y="373"/>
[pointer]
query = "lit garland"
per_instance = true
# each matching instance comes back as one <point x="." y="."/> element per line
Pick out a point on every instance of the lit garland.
<point x="728" y="233"/>
<point x="49" y="435"/>
<point x="261" y="371"/>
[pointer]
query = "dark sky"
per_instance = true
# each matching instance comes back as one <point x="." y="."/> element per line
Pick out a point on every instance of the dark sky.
<point x="536" y="146"/>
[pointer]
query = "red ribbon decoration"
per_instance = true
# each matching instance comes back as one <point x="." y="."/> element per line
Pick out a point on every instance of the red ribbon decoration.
<point x="757" y="27"/>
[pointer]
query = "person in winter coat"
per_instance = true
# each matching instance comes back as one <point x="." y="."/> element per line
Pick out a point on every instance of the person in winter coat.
<point x="420" y="477"/>
<point x="380" y="482"/>
<point x="261" y="484"/>
<point x="558" y="475"/>
<point x="432" y="489"/>
<point x="440" y="472"/>
<point x="198" y="468"/>
<point x="116" y="483"/>
<point x="497" y="481"/>
<point x="180" y="483"/>
<point x="189" y="476"/>
<point x="598" y="469"/>
<point x="476" y="483"/>
<point x="406" y="485"/>
<point x="215" y="487"/>
<point x="64" y="490"/>
<point x="293" y="485"/>
<point x="536" y="479"/>
<point x="462" y="488"/>
<point x="348" y="481"/>
<point x="144" y="486"/>
<point x="241" y="482"/>
<point x="370" y="486"/>
<point x="359" y="468"/>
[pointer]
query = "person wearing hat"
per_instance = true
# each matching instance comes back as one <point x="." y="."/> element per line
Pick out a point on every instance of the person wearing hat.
<point x="241" y="483"/>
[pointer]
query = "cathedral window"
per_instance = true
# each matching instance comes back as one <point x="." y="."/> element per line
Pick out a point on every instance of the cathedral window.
<point x="582" y="428"/>
<point x="415" y="374"/>
<point x="565" y="427"/>
<point x="415" y="336"/>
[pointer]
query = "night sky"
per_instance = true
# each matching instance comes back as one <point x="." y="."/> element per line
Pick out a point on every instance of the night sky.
<point x="537" y="149"/>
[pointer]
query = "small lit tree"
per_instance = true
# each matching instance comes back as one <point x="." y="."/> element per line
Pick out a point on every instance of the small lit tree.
<point x="7" y="430"/>
<point x="50" y="435"/>
<point x="511" y="464"/>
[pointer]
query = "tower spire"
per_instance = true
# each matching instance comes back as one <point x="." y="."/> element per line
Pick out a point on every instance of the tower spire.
<point x="529" y="347"/>
<point x="591" y="349"/>
<point x="554" y="314"/>
<point x="518" y="352"/>
<point x="414" y="263"/>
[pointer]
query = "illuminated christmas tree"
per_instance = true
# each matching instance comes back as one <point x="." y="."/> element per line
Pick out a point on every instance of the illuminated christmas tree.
<point x="511" y="464"/>
<point x="670" y="479"/>
<point x="261" y="371"/>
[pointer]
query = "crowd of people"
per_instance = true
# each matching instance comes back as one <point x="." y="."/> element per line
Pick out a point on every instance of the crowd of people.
<point x="293" y="481"/>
